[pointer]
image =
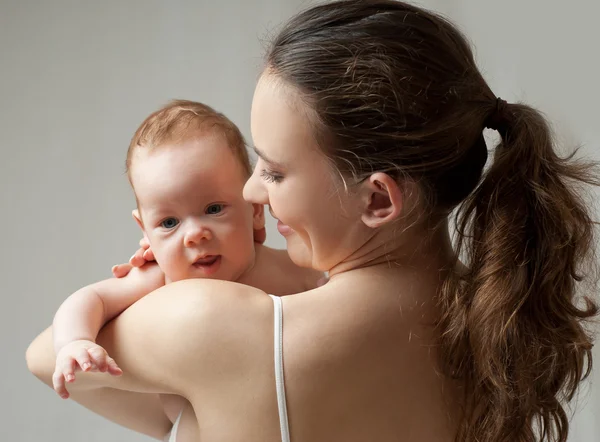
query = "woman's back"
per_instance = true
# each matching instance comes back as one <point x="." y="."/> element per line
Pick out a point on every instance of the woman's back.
<point x="359" y="364"/>
<point x="364" y="366"/>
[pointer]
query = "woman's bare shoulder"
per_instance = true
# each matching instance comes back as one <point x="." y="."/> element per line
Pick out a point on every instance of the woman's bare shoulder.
<point x="211" y="311"/>
<point x="178" y="338"/>
<point x="206" y="292"/>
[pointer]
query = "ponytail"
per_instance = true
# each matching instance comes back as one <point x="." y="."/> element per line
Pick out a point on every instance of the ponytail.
<point x="513" y="329"/>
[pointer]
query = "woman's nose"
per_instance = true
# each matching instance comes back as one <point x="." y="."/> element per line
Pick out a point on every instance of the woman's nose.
<point x="254" y="189"/>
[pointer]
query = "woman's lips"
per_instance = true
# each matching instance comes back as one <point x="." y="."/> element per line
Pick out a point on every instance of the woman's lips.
<point x="284" y="229"/>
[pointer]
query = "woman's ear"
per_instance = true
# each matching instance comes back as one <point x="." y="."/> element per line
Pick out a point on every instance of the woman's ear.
<point x="382" y="200"/>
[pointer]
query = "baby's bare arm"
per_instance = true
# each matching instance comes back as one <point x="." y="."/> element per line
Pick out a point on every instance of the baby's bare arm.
<point x="80" y="318"/>
<point x="141" y="412"/>
<point x="83" y="314"/>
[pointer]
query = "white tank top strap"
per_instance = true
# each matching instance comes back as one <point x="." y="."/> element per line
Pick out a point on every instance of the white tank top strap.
<point x="279" y="379"/>
<point x="172" y="436"/>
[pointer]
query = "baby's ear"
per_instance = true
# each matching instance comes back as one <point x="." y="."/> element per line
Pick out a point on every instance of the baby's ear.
<point x="258" y="216"/>
<point x="258" y="223"/>
<point x="138" y="219"/>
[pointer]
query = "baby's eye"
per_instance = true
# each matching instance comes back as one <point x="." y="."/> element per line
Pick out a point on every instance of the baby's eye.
<point x="169" y="223"/>
<point x="213" y="209"/>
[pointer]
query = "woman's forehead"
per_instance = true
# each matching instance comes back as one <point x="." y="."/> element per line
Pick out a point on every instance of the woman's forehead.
<point x="280" y="124"/>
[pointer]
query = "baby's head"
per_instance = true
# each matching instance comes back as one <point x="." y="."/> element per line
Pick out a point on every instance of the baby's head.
<point x="187" y="165"/>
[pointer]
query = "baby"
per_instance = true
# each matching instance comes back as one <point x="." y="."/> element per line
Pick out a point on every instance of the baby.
<point x="187" y="165"/>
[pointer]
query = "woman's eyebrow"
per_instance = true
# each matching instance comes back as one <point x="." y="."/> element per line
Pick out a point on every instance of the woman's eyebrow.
<point x="265" y="158"/>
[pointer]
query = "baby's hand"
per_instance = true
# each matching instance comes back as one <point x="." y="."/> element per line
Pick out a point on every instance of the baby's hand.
<point x="142" y="256"/>
<point x="80" y="355"/>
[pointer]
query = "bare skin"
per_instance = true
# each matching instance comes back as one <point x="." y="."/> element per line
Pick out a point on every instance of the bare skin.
<point x="190" y="205"/>
<point x="378" y="342"/>
<point x="274" y="272"/>
<point x="360" y="354"/>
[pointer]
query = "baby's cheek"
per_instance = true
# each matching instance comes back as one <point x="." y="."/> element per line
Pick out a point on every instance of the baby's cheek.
<point x="229" y="232"/>
<point x="165" y="256"/>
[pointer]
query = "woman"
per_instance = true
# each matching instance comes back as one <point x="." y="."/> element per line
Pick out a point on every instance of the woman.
<point x="368" y="122"/>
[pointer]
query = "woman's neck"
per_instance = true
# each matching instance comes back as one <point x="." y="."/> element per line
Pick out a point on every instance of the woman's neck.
<point x="419" y="247"/>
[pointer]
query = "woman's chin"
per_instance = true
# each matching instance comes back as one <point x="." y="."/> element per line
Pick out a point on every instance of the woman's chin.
<point x="298" y="252"/>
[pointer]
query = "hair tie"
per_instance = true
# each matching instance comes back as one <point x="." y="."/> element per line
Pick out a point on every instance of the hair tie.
<point x="497" y="119"/>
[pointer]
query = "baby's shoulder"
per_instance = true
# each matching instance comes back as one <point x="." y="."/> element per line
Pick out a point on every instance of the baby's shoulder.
<point x="296" y="279"/>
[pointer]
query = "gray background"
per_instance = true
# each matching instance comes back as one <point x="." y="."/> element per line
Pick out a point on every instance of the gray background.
<point x="76" y="79"/>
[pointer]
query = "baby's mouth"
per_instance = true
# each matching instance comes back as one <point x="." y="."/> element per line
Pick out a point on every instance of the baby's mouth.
<point x="206" y="260"/>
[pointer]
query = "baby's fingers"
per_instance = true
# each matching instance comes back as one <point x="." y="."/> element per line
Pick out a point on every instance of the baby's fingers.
<point x="121" y="270"/>
<point x="66" y="365"/>
<point x="137" y="260"/>
<point x="83" y="359"/>
<point x="149" y="255"/>
<point x="113" y="368"/>
<point x="58" y="383"/>
<point x="98" y="357"/>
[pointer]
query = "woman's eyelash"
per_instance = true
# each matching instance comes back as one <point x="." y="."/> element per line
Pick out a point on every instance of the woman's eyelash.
<point x="270" y="177"/>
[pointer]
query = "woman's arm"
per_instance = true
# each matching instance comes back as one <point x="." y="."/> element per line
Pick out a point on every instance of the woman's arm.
<point x="152" y="338"/>
<point x="162" y="341"/>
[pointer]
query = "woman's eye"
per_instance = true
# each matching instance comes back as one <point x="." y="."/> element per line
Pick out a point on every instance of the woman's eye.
<point x="169" y="223"/>
<point x="213" y="209"/>
<point x="270" y="177"/>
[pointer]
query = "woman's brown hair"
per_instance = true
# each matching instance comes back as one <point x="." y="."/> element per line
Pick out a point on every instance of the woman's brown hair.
<point x="395" y="88"/>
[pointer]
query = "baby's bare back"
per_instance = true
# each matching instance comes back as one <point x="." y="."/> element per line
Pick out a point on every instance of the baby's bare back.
<point x="276" y="274"/>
